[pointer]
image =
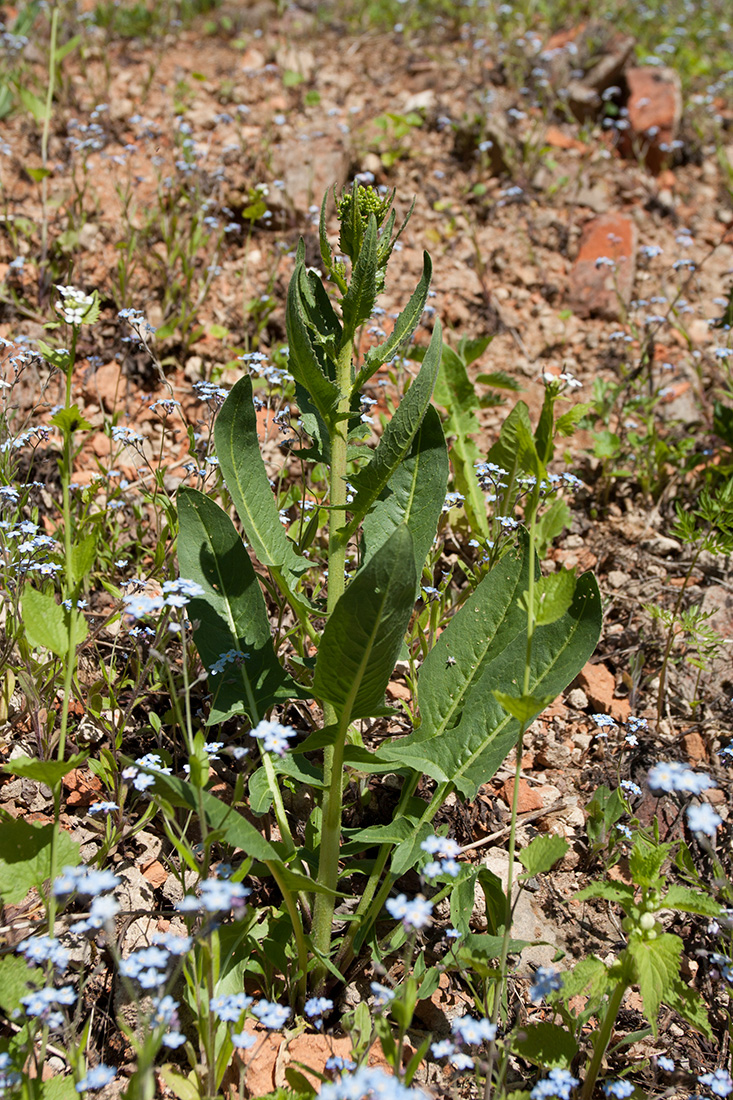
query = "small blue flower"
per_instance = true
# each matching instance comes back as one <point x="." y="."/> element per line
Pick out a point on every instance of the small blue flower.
<point x="97" y="1078"/>
<point x="719" y="1082"/>
<point x="703" y="819"/>
<point x="665" y="1063"/>
<point x="414" y="913"/>
<point x="547" y="980"/>
<point x="619" y="1089"/>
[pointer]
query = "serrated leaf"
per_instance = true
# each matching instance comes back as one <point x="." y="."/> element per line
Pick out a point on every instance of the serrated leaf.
<point x="515" y="449"/>
<point x="358" y="302"/>
<point x="25" y="856"/>
<point x="414" y="494"/>
<point x="16" y="976"/>
<point x="690" y="1006"/>
<point x="656" y="970"/>
<point x="620" y="892"/>
<point x="396" y="441"/>
<point x="49" y="772"/>
<point x="59" y="1088"/>
<point x="646" y="859"/>
<point x="690" y="901"/>
<point x="542" y="853"/>
<point x="363" y="636"/>
<point x="240" y="460"/>
<point x="232" y="614"/>
<point x="545" y="1044"/>
<point x="403" y="330"/>
<point x="589" y="976"/>
<point x="70" y="420"/>
<point x="455" y="391"/>
<point x="567" y="423"/>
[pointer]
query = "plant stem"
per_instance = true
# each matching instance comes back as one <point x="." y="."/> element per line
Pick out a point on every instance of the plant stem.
<point x="45" y="136"/>
<point x="603" y="1037"/>
<point x="333" y="756"/>
<point x="670" y="634"/>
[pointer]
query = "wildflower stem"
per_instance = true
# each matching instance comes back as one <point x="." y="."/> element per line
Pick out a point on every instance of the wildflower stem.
<point x="333" y="755"/>
<point x="602" y="1039"/>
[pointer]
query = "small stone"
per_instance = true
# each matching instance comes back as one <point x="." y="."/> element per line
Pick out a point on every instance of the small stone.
<point x="577" y="698"/>
<point x="599" y="685"/>
<point x="694" y="747"/>
<point x="155" y="873"/>
<point x="617" y="578"/>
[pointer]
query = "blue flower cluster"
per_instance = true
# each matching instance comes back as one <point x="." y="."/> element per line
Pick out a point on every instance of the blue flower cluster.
<point x="445" y="851"/>
<point x="676" y="777"/>
<point x="414" y="913"/>
<point x="559" y="1083"/>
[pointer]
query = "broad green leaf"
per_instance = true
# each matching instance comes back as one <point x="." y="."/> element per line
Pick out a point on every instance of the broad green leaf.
<point x="82" y="557"/>
<point x="362" y="638"/>
<point x="49" y="772"/>
<point x="589" y="976"/>
<point x="25" y="856"/>
<point x="553" y="595"/>
<point x="514" y="450"/>
<point x="542" y="853"/>
<point x="646" y="859"/>
<point x="656" y="970"/>
<point x="231" y="615"/>
<point x="358" y="302"/>
<point x="404" y="327"/>
<point x="70" y="420"/>
<point x="522" y="707"/>
<point x="49" y="625"/>
<point x="38" y="174"/>
<point x="414" y="494"/>
<point x="462" y="898"/>
<point x="620" y="892"/>
<point x="465" y="733"/>
<point x="689" y="1005"/>
<point x="185" y="1088"/>
<point x="304" y="361"/>
<point x="690" y="901"/>
<point x="477" y="946"/>
<point x="396" y="441"/>
<point x="238" y="451"/>
<point x="306" y="774"/>
<point x="545" y="1044"/>
<point x="551" y="524"/>
<point x="16" y="975"/>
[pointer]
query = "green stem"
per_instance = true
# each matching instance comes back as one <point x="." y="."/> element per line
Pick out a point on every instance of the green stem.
<point x="297" y="924"/>
<point x="670" y="634"/>
<point x="602" y="1039"/>
<point x="333" y="756"/>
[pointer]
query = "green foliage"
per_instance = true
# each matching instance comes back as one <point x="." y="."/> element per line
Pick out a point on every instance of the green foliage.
<point x="25" y="856"/>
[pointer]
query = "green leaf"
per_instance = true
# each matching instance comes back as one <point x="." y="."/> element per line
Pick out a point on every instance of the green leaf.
<point x="620" y="892"/>
<point x="553" y="595"/>
<point x="690" y="901"/>
<point x="567" y="423"/>
<point x="38" y="174"/>
<point x="82" y="557"/>
<point x="523" y="707"/>
<point x="515" y="450"/>
<point x="477" y="948"/>
<point x="403" y="330"/>
<point x="646" y="859"/>
<point x="238" y="450"/>
<point x="70" y="420"/>
<point x="465" y="734"/>
<point x="32" y="103"/>
<point x="396" y="441"/>
<point x="48" y="625"/>
<point x="363" y="636"/>
<point x="16" y="976"/>
<point x="414" y="494"/>
<point x="690" y="1006"/>
<point x="185" y="1088"/>
<point x="304" y="361"/>
<point x="546" y="1045"/>
<point x="49" y="772"/>
<point x="589" y="976"/>
<point x="231" y="615"/>
<point x="656" y="970"/>
<point x="455" y="391"/>
<point x="542" y="853"/>
<point x="235" y="829"/>
<point x="59" y="1088"/>
<point x="358" y="302"/>
<point x="25" y="856"/>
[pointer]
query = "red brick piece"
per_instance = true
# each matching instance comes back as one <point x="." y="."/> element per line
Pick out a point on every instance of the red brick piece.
<point x="655" y="110"/>
<point x="604" y="271"/>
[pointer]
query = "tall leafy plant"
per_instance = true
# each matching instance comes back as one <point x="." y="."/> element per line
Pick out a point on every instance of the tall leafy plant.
<point x="491" y="671"/>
